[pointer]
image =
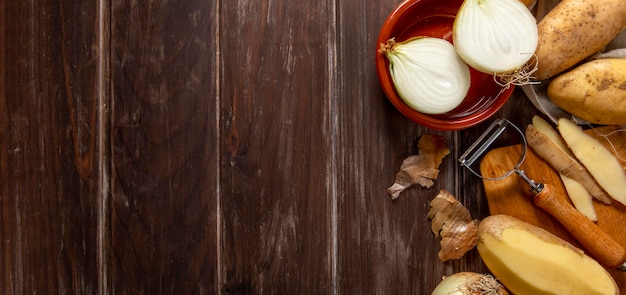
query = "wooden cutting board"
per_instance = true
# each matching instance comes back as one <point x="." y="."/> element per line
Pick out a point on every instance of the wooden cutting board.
<point x="510" y="195"/>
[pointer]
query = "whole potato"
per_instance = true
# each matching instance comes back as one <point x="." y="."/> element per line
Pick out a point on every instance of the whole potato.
<point x="594" y="91"/>
<point x="575" y="29"/>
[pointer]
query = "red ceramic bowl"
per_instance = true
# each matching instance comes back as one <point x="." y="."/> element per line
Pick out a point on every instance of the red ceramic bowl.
<point x="434" y="18"/>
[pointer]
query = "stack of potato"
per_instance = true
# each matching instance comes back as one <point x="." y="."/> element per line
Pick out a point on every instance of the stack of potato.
<point x="571" y="34"/>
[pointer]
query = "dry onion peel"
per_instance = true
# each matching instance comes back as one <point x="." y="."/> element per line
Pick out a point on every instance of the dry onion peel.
<point x="421" y="168"/>
<point x="427" y="73"/>
<point x="469" y="283"/>
<point x="453" y="223"/>
<point x="497" y="37"/>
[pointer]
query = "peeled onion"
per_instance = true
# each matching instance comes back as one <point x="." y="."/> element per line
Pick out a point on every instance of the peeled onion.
<point x="495" y="37"/>
<point x="427" y="73"/>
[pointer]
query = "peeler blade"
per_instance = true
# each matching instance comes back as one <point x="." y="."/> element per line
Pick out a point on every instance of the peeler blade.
<point x="482" y="144"/>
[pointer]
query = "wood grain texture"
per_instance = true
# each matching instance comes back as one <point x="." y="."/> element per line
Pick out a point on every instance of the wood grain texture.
<point x="49" y="185"/>
<point x="163" y="214"/>
<point x="384" y="247"/>
<point x="277" y="162"/>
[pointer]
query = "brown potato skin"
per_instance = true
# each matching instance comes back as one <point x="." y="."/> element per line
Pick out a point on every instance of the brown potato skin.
<point x="495" y="224"/>
<point x="574" y="30"/>
<point x="542" y="145"/>
<point x="594" y="91"/>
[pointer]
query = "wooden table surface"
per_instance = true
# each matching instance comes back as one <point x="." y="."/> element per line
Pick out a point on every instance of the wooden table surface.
<point x="212" y="147"/>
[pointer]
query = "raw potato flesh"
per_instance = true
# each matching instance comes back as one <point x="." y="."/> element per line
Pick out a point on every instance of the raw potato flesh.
<point x="574" y="30"/>
<point x="582" y="200"/>
<point x="594" y="91"/>
<point x="530" y="260"/>
<point x="600" y="162"/>
<point x="549" y="145"/>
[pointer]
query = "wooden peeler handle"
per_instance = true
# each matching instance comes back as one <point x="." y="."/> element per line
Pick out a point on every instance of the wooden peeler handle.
<point x="599" y="244"/>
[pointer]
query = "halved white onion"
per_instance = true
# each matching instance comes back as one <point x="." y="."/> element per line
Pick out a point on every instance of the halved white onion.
<point x="428" y="74"/>
<point x="495" y="36"/>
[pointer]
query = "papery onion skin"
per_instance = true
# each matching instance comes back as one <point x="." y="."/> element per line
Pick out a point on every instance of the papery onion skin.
<point x="495" y="36"/>
<point x="428" y="74"/>
<point x="469" y="283"/>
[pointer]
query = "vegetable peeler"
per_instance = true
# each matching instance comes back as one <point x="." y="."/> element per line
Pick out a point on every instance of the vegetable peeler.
<point x="599" y="244"/>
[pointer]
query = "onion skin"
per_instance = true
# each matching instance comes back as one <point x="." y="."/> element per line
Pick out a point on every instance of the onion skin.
<point x="469" y="283"/>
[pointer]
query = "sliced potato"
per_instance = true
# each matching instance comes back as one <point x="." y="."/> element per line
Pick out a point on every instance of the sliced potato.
<point x="601" y="163"/>
<point x="546" y="142"/>
<point x="582" y="200"/>
<point x="530" y="260"/>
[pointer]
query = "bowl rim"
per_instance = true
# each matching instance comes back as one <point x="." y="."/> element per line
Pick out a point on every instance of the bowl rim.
<point x="459" y="122"/>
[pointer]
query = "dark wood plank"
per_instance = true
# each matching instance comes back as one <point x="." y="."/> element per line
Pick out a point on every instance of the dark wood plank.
<point x="277" y="133"/>
<point x="163" y="220"/>
<point x="385" y="247"/>
<point x="50" y="189"/>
